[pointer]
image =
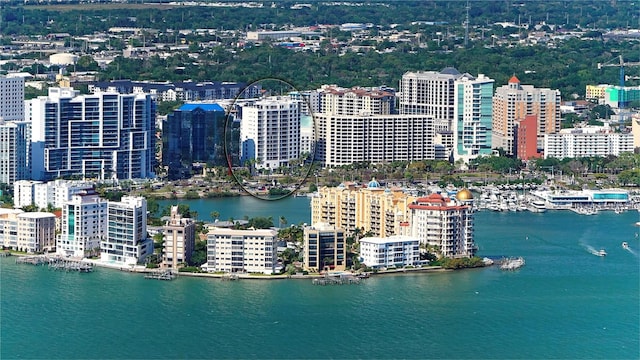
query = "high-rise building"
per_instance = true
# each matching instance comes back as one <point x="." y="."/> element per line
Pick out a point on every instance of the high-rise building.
<point x="325" y="247"/>
<point x="11" y="98"/>
<point x="430" y="93"/>
<point x="126" y="241"/>
<point x="103" y="136"/>
<point x="15" y="142"/>
<point x="472" y="116"/>
<point x="179" y="240"/>
<point x="194" y="133"/>
<point x="236" y="251"/>
<point x="84" y="225"/>
<point x="444" y="223"/>
<point x="346" y="139"/>
<point x="635" y="130"/>
<point x="527" y="138"/>
<point x="512" y="102"/>
<point x="270" y="132"/>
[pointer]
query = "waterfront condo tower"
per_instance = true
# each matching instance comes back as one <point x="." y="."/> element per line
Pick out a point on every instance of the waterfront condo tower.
<point x="100" y="136"/>
<point x="84" y="225"/>
<point x="179" y="240"/>
<point x="325" y="247"/>
<point x="444" y="223"/>
<point x="126" y="241"/>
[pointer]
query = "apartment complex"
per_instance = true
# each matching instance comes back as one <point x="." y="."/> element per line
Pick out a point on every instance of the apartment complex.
<point x="370" y="208"/>
<point x="270" y="132"/>
<point x="102" y="136"/>
<point x="589" y="141"/>
<point x="193" y="133"/>
<point x="444" y="223"/>
<point x="513" y="102"/>
<point x="179" y="91"/>
<point x="44" y="194"/>
<point x="356" y="100"/>
<point x="11" y="98"/>
<point x="393" y="251"/>
<point x="15" y="144"/>
<point x="238" y="251"/>
<point x="30" y="232"/>
<point x="179" y="240"/>
<point x="345" y="139"/>
<point x="615" y="96"/>
<point x="325" y="247"/>
<point x="84" y="225"/>
<point x="126" y="241"/>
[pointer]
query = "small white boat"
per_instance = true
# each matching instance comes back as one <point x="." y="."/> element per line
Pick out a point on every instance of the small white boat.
<point x="512" y="263"/>
<point x="601" y="252"/>
<point x="625" y="245"/>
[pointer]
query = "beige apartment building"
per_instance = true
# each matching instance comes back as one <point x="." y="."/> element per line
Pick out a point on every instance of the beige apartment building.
<point x="513" y="102"/>
<point x="179" y="240"/>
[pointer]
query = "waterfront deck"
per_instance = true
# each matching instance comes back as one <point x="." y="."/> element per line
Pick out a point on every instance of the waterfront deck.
<point x="338" y="280"/>
<point x="56" y="263"/>
<point x="161" y="275"/>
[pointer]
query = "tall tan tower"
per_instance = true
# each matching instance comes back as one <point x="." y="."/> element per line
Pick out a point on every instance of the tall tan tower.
<point x="513" y="102"/>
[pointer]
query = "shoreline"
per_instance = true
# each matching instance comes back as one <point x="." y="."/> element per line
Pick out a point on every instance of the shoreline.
<point x="143" y="270"/>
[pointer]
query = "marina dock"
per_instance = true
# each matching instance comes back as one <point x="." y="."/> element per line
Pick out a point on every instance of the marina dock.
<point x="161" y="275"/>
<point x="56" y="263"/>
<point x="338" y="280"/>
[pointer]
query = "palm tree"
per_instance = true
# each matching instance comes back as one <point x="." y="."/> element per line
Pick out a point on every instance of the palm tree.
<point x="214" y="215"/>
<point x="282" y="220"/>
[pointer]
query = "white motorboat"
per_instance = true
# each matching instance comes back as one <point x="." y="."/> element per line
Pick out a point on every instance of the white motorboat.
<point x="601" y="252"/>
<point x="625" y="245"/>
<point x="512" y="263"/>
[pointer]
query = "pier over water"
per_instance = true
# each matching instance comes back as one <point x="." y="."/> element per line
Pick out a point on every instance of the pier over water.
<point x="56" y="263"/>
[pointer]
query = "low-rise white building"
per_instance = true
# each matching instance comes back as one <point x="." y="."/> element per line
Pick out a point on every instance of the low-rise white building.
<point x="589" y="141"/>
<point x="238" y="251"/>
<point x="42" y="194"/>
<point x="36" y="232"/>
<point x="393" y="251"/>
<point x="31" y="232"/>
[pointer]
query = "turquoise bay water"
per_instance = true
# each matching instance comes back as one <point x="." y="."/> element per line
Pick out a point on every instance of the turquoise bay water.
<point x="565" y="303"/>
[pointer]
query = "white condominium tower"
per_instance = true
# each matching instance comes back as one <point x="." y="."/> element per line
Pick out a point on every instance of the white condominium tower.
<point x="126" y="241"/>
<point x="270" y="132"/>
<point x="103" y="136"/>
<point x="237" y="251"/>
<point x="513" y="102"/>
<point x="84" y="225"/>
<point x="11" y="98"/>
<point x="346" y="139"/>
<point x="429" y="93"/>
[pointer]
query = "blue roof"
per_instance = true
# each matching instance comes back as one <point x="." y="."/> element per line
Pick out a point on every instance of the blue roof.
<point x="205" y="107"/>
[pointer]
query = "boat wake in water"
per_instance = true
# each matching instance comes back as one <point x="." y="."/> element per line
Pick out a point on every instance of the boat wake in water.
<point x="592" y="250"/>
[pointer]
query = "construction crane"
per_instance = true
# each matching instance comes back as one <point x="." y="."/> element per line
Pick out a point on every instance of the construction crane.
<point x="621" y="64"/>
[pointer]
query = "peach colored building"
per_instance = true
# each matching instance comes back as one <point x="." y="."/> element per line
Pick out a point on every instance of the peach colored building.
<point x="515" y="101"/>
